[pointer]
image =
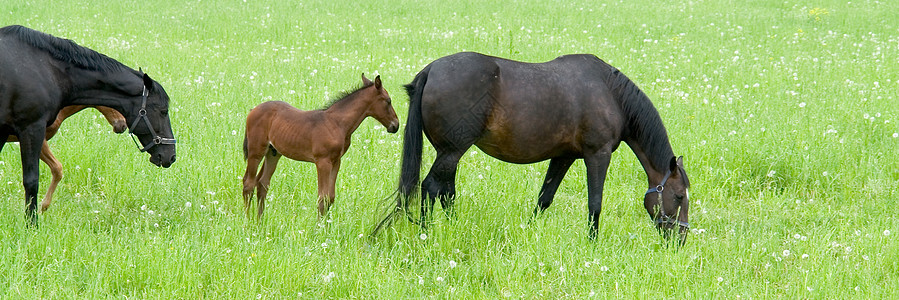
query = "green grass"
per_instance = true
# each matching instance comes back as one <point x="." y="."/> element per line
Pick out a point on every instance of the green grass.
<point x="785" y="112"/>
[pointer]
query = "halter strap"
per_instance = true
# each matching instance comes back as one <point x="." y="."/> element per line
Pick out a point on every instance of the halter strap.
<point x="142" y="115"/>
<point x="669" y="220"/>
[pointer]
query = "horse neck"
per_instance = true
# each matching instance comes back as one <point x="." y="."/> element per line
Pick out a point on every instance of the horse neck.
<point x="654" y="172"/>
<point x="117" y="90"/>
<point x="349" y="112"/>
<point x="645" y="132"/>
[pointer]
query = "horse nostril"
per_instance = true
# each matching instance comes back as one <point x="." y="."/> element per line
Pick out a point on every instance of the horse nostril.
<point x="173" y="158"/>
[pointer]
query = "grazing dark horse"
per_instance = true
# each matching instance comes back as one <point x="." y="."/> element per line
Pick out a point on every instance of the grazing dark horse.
<point x="113" y="117"/>
<point x="275" y="128"/>
<point x="40" y="74"/>
<point x="573" y="107"/>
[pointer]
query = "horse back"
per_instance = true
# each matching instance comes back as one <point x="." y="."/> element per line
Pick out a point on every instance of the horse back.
<point x="294" y="133"/>
<point x="522" y="112"/>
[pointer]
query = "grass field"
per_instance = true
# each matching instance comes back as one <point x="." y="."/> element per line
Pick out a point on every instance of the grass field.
<point x="785" y="112"/>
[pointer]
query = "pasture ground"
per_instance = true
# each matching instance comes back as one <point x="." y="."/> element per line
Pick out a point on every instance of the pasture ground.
<point x="785" y="112"/>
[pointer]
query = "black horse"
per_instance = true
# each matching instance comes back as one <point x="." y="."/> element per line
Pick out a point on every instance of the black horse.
<point x="40" y="74"/>
<point x="575" y="106"/>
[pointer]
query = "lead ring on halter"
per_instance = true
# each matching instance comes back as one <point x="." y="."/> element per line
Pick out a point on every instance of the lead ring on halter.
<point x="661" y="187"/>
<point x="142" y="115"/>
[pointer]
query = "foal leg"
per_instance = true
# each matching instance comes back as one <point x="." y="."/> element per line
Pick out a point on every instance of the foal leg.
<point x="324" y="167"/>
<point x="597" y="167"/>
<point x="557" y="168"/>
<point x="55" y="170"/>
<point x="265" y="179"/>
<point x="249" y="180"/>
<point x="332" y="191"/>
<point x="440" y="183"/>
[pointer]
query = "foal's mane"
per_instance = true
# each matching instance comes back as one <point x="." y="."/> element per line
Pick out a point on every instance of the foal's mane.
<point x="345" y="95"/>
<point x="644" y="123"/>
<point x="64" y="49"/>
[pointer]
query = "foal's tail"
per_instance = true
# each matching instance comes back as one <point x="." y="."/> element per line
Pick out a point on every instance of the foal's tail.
<point x="410" y="166"/>
<point x="245" y="149"/>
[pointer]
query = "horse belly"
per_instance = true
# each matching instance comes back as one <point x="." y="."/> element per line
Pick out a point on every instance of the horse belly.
<point x="294" y="145"/>
<point x="307" y="141"/>
<point x="526" y="144"/>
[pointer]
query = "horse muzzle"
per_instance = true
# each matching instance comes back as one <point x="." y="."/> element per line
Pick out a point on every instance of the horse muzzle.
<point x="163" y="158"/>
<point x="393" y="127"/>
<point x="160" y="161"/>
<point x="119" y="126"/>
<point x="667" y="226"/>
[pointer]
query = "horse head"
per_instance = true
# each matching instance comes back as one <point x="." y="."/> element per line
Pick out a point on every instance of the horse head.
<point x="151" y="123"/>
<point x="668" y="202"/>
<point x="381" y="107"/>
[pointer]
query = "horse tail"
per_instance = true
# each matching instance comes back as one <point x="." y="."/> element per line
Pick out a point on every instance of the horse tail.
<point x="410" y="165"/>
<point x="245" y="148"/>
<point x="412" y="139"/>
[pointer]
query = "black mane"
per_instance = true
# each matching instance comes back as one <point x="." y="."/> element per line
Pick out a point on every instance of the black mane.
<point x="345" y="95"/>
<point x="643" y="119"/>
<point x="63" y="49"/>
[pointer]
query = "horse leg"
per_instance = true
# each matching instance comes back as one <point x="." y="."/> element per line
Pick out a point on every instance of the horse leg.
<point x="440" y="183"/>
<point x="30" y="142"/>
<point x="332" y="186"/>
<point x="597" y="167"/>
<point x="249" y="180"/>
<point x="264" y="179"/>
<point x="55" y="170"/>
<point x="557" y="168"/>
<point x="325" y="187"/>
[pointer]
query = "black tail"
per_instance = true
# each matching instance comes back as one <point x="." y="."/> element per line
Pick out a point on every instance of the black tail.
<point x="412" y="140"/>
<point x="410" y="166"/>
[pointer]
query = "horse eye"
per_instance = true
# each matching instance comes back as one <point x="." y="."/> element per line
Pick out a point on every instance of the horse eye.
<point x="679" y="198"/>
<point x="165" y="112"/>
<point x="388" y="101"/>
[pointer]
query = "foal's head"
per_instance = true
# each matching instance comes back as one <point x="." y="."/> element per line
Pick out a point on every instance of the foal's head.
<point x="668" y="203"/>
<point x="116" y="119"/>
<point x="380" y="106"/>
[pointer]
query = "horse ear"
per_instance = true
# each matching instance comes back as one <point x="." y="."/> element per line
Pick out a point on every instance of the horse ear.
<point x="378" y="82"/>
<point x="365" y="80"/>
<point x="674" y="163"/>
<point x="680" y="161"/>
<point x="148" y="82"/>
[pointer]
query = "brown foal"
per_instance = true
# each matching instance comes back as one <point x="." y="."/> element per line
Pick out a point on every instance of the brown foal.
<point x="112" y="116"/>
<point x="276" y="128"/>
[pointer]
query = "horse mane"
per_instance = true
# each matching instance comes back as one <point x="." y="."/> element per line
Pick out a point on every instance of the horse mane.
<point x="644" y="123"/>
<point x="345" y="95"/>
<point x="63" y="49"/>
